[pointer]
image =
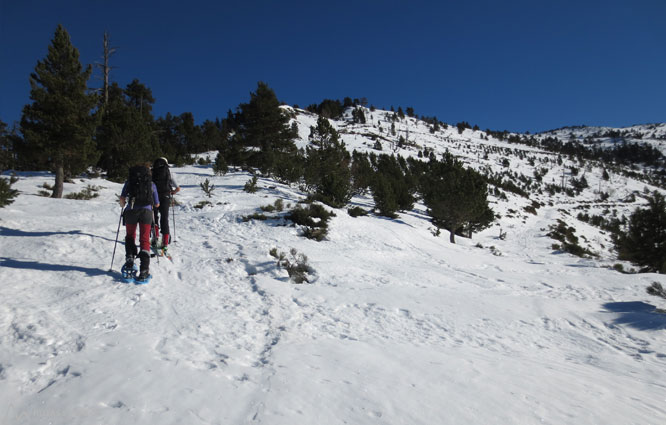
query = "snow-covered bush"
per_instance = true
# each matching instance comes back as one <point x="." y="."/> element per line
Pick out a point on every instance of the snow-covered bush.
<point x="296" y="265"/>
<point x="314" y="219"/>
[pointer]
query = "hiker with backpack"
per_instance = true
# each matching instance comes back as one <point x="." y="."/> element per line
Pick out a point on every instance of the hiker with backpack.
<point x="166" y="188"/>
<point x="140" y="195"/>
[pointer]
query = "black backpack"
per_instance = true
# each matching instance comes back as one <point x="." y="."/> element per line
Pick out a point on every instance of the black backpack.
<point x="140" y="186"/>
<point x="161" y="177"/>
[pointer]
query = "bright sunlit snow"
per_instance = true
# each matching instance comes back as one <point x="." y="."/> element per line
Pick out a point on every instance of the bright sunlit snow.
<point x="395" y="327"/>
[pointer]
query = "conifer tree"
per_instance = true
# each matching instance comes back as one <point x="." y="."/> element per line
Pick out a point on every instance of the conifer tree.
<point x="213" y="137"/>
<point x="327" y="172"/>
<point x="7" y="194"/>
<point x="171" y="141"/>
<point x="262" y="124"/>
<point x="192" y="136"/>
<point x="59" y="125"/>
<point x="140" y="98"/>
<point x="6" y="147"/>
<point x="644" y="243"/>
<point x="456" y="197"/>
<point x="220" y="166"/>
<point x="384" y="196"/>
<point x="361" y="172"/>
<point x="392" y="176"/>
<point x="125" y="135"/>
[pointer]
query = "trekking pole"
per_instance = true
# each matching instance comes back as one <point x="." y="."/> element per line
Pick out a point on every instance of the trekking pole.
<point x="173" y="216"/>
<point x="116" y="243"/>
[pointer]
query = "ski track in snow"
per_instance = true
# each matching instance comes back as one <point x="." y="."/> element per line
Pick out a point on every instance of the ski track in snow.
<point x="397" y="327"/>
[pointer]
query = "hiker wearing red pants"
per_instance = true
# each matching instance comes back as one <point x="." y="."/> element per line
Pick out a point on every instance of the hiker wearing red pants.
<point x="139" y="194"/>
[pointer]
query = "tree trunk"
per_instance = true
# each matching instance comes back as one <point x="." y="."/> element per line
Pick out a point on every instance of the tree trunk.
<point x="59" y="181"/>
<point x="452" y="237"/>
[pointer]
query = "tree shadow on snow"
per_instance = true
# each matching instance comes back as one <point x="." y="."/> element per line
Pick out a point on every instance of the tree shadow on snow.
<point x="34" y="265"/>
<point x="638" y="315"/>
<point x="6" y="231"/>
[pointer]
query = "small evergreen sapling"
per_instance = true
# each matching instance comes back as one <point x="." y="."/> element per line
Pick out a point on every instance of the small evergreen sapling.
<point x="251" y="185"/>
<point x="7" y="194"/>
<point x="297" y="265"/>
<point x="207" y="187"/>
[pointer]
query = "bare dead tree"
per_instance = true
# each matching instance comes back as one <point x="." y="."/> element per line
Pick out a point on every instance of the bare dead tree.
<point x="106" y="67"/>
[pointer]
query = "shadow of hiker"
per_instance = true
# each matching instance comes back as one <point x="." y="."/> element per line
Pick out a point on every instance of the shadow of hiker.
<point x="34" y="265"/>
<point x="6" y="231"/>
<point x="638" y="315"/>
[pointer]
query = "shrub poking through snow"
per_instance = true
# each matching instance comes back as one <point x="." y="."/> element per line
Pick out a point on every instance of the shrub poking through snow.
<point x="202" y="204"/>
<point x="277" y="206"/>
<point x="314" y="219"/>
<point x="295" y="263"/>
<point x="255" y="216"/>
<point x="357" y="212"/>
<point x="569" y="241"/>
<point x="86" y="194"/>
<point x="657" y="290"/>
<point x="207" y="187"/>
<point x="251" y="185"/>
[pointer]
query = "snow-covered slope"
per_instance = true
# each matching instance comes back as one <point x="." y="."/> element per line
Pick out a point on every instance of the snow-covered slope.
<point x="395" y="327"/>
<point x="546" y="178"/>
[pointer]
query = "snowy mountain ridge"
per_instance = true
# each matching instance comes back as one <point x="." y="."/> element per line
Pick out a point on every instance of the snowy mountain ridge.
<point x="544" y="177"/>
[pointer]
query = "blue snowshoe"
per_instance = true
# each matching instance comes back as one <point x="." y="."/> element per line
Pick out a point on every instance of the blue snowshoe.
<point x="129" y="271"/>
<point x="143" y="278"/>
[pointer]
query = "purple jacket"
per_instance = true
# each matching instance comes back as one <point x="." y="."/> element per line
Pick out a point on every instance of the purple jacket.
<point x="156" y="199"/>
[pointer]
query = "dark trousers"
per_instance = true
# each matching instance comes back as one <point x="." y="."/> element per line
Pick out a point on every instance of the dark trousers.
<point x="162" y="217"/>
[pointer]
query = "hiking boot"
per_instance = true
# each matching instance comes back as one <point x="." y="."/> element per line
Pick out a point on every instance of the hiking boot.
<point x="143" y="277"/>
<point x="129" y="261"/>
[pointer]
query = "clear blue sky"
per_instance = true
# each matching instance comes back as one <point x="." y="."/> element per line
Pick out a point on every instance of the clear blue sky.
<point x="517" y="65"/>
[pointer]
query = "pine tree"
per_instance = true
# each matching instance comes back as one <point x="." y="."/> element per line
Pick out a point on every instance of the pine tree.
<point x="140" y="98"/>
<point x="393" y="176"/>
<point x="7" y="151"/>
<point x="384" y="196"/>
<point x="220" y="166"/>
<point x="192" y="135"/>
<point x="263" y="125"/>
<point x="644" y="243"/>
<point x="456" y="197"/>
<point x="171" y="141"/>
<point x="7" y="194"/>
<point x="213" y="137"/>
<point x="59" y="125"/>
<point x="125" y="136"/>
<point x="361" y="172"/>
<point x="327" y="172"/>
